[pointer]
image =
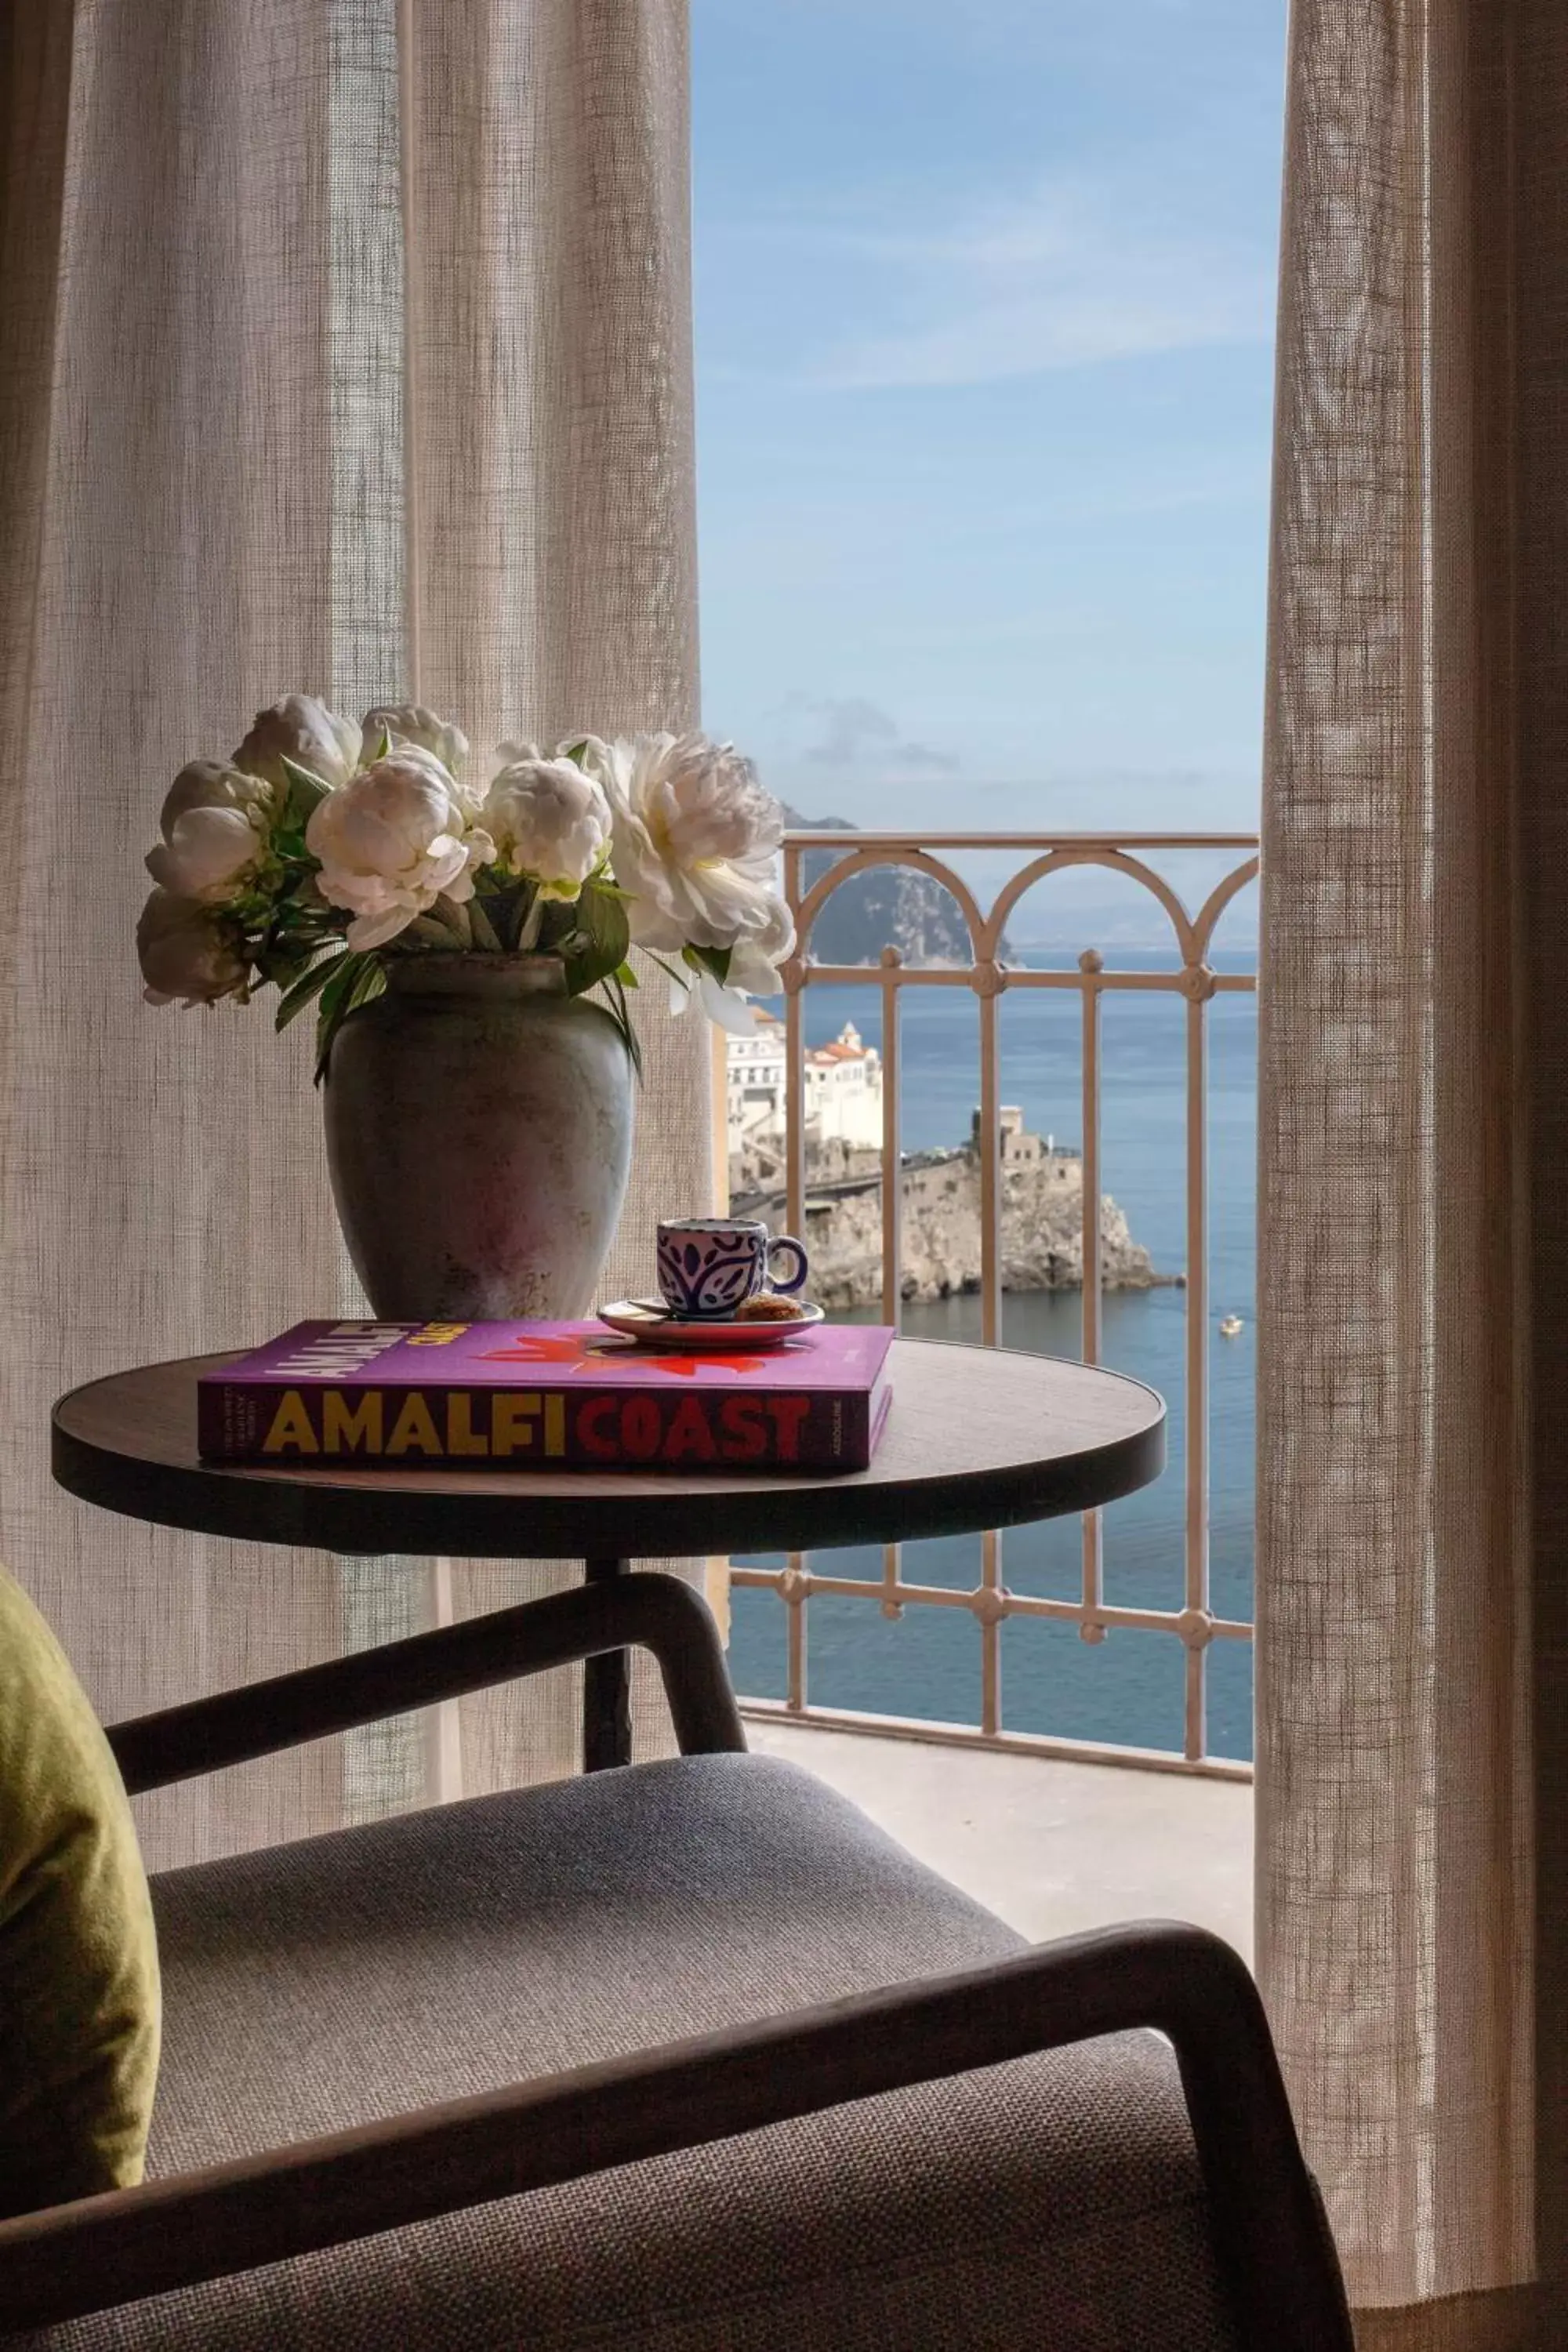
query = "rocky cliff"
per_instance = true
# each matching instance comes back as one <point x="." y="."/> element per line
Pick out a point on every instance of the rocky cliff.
<point x="1042" y="1224"/>
<point x="889" y="907"/>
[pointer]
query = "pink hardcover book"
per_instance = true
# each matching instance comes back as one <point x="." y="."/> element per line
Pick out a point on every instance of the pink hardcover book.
<point x="545" y="1396"/>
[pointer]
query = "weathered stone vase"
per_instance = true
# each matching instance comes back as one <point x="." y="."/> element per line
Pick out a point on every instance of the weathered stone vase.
<point x="479" y="1135"/>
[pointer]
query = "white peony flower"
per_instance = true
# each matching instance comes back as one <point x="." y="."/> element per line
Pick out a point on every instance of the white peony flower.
<point x="695" y="839"/>
<point x="410" y="722"/>
<point x="391" y="842"/>
<point x="209" y="851"/>
<point x="753" y="970"/>
<point x="725" y="1007"/>
<point x="303" y="729"/>
<point x="550" y="821"/>
<point x="761" y="947"/>
<point x="187" y="954"/>
<point x="215" y="823"/>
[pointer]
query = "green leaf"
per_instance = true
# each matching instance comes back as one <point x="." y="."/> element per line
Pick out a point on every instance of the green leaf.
<point x="503" y="896"/>
<point x="306" y="791"/>
<point x="457" y="916"/>
<point x="384" y="746"/>
<point x="304" y="992"/>
<point x="430" y="933"/>
<point x="485" y="934"/>
<point x="620" y="1014"/>
<point x="355" y="980"/>
<point x="626" y="977"/>
<point x="281" y="965"/>
<point x="370" y="981"/>
<point x="607" y="935"/>
<point x="334" y="1005"/>
<point x="344" y="972"/>
<point x="714" y="959"/>
<point x="557" y="923"/>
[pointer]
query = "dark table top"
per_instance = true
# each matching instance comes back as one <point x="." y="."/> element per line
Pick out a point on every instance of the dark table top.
<point x="976" y="1437"/>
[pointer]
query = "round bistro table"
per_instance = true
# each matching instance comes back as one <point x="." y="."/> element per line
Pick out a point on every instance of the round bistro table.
<point x="976" y="1437"/>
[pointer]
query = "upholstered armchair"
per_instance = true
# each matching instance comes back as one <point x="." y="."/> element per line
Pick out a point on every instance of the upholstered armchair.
<point x="682" y="2058"/>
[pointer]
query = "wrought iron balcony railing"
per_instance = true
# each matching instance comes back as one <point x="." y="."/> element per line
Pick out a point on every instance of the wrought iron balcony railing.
<point x="1188" y="976"/>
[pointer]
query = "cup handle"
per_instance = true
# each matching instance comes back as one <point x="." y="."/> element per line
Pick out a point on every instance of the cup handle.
<point x="802" y="1267"/>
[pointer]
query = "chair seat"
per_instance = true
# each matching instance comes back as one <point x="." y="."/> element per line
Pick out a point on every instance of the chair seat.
<point x="1053" y="2202"/>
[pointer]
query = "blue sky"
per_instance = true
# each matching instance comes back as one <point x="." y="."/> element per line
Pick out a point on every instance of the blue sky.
<point x="984" y="313"/>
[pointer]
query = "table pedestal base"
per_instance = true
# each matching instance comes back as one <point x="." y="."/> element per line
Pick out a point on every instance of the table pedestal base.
<point x="606" y="1691"/>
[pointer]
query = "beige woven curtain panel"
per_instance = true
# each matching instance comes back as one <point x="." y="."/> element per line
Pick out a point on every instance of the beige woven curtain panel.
<point x="344" y="346"/>
<point x="1414" y="1218"/>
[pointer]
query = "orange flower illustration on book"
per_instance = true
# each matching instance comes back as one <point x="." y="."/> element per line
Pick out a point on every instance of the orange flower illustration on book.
<point x="543" y="1349"/>
<point x="582" y="1355"/>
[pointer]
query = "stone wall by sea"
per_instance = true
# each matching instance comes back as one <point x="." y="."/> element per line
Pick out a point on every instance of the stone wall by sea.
<point x="1042" y="1224"/>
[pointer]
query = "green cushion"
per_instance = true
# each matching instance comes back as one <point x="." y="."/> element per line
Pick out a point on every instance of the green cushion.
<point x="79" y="1958"/>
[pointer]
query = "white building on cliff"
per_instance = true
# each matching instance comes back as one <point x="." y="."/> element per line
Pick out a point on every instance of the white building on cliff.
<point x="842" y="1088"/>
<point x="754" y="1081"/>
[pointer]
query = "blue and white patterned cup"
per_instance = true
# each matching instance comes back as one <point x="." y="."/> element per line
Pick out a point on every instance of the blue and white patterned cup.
<point x="710" y="1265"/>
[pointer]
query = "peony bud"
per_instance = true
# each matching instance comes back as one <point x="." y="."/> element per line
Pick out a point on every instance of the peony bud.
<point x="187" y="953"/>
<point x="410" y="722"/>
<point x="550" y="822"/>
<point x="215" y="823"/>
<point x="303" y="729"/>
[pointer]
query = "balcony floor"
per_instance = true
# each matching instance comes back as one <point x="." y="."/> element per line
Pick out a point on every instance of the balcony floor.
<point x="1051" y="1847"/>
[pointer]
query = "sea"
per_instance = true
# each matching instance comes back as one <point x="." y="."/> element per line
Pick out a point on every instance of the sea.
<point x="1127" y="1689"/>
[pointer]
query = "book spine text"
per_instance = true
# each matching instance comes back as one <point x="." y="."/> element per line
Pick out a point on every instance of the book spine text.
<point x="517" y="1428"/>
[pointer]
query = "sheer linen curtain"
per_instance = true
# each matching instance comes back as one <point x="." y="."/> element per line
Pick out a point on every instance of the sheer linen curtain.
<point x="1414" y="1278"/>
<point x="344" y="346"/>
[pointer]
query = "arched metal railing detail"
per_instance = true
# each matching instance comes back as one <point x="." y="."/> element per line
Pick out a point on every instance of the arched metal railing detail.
<point x="1191" y="976"/>
<point x="1113" y="861"/>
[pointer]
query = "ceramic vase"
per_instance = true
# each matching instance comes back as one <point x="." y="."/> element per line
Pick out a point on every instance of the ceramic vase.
<point x="478" y="1134"/>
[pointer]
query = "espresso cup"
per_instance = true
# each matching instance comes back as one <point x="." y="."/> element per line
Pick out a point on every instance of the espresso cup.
<point x="708" y="1266"/>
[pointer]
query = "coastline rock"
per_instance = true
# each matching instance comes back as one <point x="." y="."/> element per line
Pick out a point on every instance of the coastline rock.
<point x="885" y="907"/>
<point x="1042" y="1224"/>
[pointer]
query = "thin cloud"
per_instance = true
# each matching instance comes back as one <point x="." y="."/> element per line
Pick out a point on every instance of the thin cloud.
<point x="1062" y="278"/>
<point x="852" y="732"/>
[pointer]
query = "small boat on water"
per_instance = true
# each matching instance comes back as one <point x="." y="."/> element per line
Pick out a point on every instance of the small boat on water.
<point x="1230" y="1327"/>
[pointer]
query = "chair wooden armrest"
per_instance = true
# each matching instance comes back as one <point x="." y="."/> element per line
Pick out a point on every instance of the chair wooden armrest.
<point x="1268" y="2233"/>
<point x="649" y="1611"/>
